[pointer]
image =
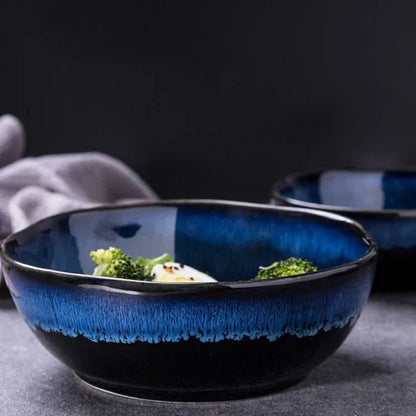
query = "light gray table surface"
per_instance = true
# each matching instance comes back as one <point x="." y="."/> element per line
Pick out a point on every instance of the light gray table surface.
<point x="372" y="373"/>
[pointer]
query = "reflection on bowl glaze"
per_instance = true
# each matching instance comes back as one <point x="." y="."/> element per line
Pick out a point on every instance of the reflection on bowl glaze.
<point x="208" y="341"/>
<point x="384" y="202"/>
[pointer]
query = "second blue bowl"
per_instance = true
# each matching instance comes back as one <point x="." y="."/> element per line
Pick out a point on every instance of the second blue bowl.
<point x="383" y="201"/>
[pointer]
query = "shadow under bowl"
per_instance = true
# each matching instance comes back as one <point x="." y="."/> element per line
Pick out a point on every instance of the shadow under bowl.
<point x="207" y="341"/>
<point x="382" y="201"/>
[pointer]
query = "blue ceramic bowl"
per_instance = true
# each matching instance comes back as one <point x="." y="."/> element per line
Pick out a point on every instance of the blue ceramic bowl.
<point x="384" y="202"/>
<point x="205" y="341"/>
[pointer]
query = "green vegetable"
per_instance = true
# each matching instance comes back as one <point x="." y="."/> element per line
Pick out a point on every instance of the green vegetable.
<point x="148" y="264"/>
<point x="289" y="267"/>
<point x="114" y="263"/>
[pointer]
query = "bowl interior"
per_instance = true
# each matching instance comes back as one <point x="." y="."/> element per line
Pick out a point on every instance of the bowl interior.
<point x="371" y="190"/>
<point x="229" y="242"/>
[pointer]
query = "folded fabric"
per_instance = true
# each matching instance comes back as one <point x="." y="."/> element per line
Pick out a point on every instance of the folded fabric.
<point x="37" y="187"/>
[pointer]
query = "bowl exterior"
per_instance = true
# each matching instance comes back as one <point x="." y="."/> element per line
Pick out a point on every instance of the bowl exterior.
<point x="395" y="235"/>
<point x="200" y="345"/>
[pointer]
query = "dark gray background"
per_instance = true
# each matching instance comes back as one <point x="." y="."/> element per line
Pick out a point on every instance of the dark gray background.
<point x="214" y="98"/>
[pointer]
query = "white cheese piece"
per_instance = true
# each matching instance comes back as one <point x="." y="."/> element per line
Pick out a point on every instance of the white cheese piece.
<point x="179" y="273"/>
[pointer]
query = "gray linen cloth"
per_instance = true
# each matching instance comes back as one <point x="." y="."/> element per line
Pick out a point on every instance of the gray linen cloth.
<point x="36" y="187"/>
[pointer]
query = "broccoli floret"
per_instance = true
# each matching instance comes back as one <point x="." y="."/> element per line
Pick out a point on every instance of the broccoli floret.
<point x="148" y="264"/>
<point x="289" y="267"/>
<point x="114" y="263"/>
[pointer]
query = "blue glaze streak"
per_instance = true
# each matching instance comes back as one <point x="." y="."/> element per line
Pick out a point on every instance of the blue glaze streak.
<point x="399" y="190"/>
<point x="119" y="317"/>
<point x="240" y="242"/>
<point x="127" y="231"/>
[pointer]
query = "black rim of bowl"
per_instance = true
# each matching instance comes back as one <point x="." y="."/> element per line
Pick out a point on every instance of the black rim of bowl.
<point x="146" y="286"/>
<point x="290" y="181"/>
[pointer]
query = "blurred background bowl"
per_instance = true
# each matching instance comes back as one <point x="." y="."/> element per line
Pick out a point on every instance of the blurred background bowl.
<point x="383" y="201"/>
<point x="207" y="341"/>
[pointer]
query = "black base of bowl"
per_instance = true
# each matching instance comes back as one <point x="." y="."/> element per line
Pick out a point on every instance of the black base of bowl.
<point x="193" y="370"/>
<point x="188" y="395"/>
<point x="396" y="270"/>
